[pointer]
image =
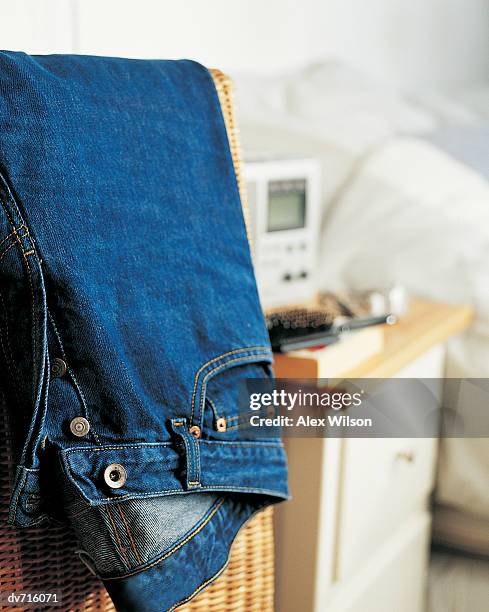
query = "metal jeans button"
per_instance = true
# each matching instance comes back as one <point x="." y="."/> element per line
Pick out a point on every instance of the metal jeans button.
<point x="58" y="368"/>
<point x="195" y="431"/>
<point x="221" y="424"/>
<point x="79" y="427"/>
<point x="115" y="475"/>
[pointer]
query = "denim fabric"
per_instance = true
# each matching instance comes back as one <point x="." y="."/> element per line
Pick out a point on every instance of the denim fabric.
<point x="123" y="252"/>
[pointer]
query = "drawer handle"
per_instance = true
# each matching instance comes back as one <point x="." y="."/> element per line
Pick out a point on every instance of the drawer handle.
<point x="407" y="456"/>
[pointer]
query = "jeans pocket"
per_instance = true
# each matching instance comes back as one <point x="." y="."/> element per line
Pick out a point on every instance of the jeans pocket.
<point x="227" y="398"/>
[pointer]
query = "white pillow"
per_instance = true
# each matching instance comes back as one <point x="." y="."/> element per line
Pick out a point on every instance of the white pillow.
<point x="411" y="215"/>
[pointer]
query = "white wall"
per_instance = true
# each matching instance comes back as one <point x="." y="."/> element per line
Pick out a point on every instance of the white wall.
<point x="245" y="35"/>
<point x="405" y="41"/>
<point x="37" y="26"/>
<point x="413" y="42"/>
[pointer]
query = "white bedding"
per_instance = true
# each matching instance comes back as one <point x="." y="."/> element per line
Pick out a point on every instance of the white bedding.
<point x="415" y="216"/>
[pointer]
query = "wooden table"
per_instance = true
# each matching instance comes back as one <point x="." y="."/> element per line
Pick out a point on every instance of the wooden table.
<point x="425" y="325"/>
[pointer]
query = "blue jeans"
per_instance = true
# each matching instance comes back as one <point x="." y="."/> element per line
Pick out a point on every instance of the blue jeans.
<point x="129" y="319"/>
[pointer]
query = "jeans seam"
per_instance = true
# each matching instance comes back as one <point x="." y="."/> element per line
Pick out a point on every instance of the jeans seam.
<point x="122" y="550"/>
<point x="12" y="233"/>
<point x="210" y="373"/>
<point x="214" y="487"/>
<point x="89" y="449"/>
<point x="15" y="241"/>
<point x="199" y="588"/>
<point x="81" y="395"/>
<point x="213" y="360"/>
<point x="30" y="440"/>
<point x="7" y="351"/>
<point x="129" y="533"/>
<point x="187" y="539"/>
<point x="214" y="408"/>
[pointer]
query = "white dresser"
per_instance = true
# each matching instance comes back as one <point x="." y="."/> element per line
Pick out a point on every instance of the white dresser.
<point x="355" y="537"/>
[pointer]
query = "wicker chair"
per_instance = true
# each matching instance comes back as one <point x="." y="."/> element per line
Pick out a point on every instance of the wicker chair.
<point x="43" y="559"/>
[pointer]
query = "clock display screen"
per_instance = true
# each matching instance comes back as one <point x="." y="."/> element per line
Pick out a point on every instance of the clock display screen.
<point x="286" y="206"/>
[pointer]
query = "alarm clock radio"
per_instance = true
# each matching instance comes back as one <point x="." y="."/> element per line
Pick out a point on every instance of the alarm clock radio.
<point x="284" y="203"/>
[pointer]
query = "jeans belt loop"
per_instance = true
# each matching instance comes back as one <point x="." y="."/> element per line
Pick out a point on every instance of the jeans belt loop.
<point x="192" y="454"/>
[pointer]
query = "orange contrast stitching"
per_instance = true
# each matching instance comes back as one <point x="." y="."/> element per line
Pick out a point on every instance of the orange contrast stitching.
<point x="220" y="367"/>
<point x="116" y="534"/>
<point x="12" y="233"/>
<point x="208" y="363"/>
<point x="16" y="241"/>
<point x="174" y="549"/>
<point x="133" y="545"/>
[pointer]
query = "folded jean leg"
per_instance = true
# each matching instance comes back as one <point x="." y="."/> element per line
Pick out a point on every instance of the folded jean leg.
<point x="129" y="298"/>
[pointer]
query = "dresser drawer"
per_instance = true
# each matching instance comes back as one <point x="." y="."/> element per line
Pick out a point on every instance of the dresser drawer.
<point x="384" y="482"/>
<point x="393" y="579"/>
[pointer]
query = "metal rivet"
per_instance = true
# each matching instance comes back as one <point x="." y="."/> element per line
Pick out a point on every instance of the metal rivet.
<point x="115" y="475"/>
<point x="221" y="424"/>
<point x="58" y="368"/>
<point x="79" y="427"/>
<point x="195" y="431"/>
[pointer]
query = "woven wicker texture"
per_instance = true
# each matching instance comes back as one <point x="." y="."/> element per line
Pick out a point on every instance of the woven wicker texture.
<point x="43" y="559"/>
